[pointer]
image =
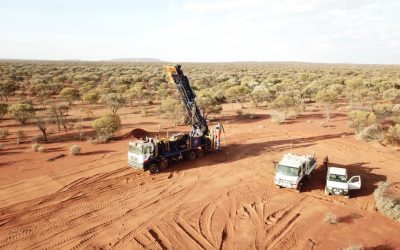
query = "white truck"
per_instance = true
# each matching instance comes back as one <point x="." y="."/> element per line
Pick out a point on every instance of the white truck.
<point x="337" y="182"/>
<point x="292" y="170"/>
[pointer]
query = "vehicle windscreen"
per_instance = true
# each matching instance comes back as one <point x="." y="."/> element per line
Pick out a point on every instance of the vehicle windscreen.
<point x="337" y="178"/>
<point x="285" y="170"/>
<point x="135" y="149"/>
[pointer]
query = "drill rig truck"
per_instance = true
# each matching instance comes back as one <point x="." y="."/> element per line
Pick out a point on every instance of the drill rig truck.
<point x="155" y="154"/>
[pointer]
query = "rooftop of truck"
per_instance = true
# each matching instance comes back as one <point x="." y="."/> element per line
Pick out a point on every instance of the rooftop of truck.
<point x="338" y="171"/>
<point x="295" y="161"/>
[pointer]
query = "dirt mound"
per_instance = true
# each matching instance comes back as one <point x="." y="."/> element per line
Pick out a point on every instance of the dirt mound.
<point x="138" y="133"/>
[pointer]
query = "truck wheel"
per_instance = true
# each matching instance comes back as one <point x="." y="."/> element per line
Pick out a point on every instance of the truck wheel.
<point x="153" y="169"/>
<point x="163" y="164"/>
<point x="191" y="155"/>
<point x="199" y="153"/>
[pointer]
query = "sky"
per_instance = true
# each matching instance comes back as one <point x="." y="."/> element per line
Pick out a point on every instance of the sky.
<point x="327" y="31"/>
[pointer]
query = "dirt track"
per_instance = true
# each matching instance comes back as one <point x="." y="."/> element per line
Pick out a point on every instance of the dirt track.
<point x="220" y="201"/>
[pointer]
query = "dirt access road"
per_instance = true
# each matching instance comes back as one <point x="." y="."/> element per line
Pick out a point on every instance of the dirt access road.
<point x="221" y="201"/>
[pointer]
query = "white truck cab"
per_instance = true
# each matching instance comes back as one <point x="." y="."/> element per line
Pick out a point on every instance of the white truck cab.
<point x="337" y="182"/>
<point x="292" y="169"/>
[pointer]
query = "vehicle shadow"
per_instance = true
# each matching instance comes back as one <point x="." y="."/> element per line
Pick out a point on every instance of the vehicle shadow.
<point x="369" y="180"/>
<point x="97" y="152"/>
<point x="235" y="152"/>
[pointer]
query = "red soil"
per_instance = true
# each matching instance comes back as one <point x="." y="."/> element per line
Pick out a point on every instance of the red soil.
<point x="224" y="201"/>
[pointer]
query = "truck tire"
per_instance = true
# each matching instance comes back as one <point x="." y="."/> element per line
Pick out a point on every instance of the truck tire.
<point x="199" y="153"/>
<point x="163" y="165"/>
<point x="153" y="169"/>
<point x="191" y="155"/>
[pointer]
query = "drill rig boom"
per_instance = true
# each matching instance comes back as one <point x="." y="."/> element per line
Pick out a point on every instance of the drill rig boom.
<point x="199" y="123"/>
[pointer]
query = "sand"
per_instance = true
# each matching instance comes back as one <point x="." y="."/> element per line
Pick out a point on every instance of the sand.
<point x="221" y="201"/>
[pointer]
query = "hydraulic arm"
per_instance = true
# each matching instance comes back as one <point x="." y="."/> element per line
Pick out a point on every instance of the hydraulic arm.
<point x="199" y="123"/>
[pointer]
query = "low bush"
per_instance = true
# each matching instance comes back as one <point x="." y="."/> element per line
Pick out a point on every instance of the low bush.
<point x="393" y="134"/>
<point x="35" y="147"/>
<point x="331" y="218"/>
<point x="41" y="149"/>
<point x="75" y="149"/>
<point x="278" y="117"/>
<point x="2" y="145"/>
<point x="4" y="133"/>
<point x="387" y="203"/>
<point x="370" y="133"/>
<point x="21" y="136"/>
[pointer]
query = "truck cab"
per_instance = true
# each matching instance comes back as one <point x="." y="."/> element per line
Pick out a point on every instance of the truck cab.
<point x="337" y="182"/>
<point x="139" y="153"/>
<point x="292" y="169"/>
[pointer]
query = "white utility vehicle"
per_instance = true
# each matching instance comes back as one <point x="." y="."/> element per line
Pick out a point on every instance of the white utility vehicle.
<point x="292" y="169"/>
<point x="337" y="182"/>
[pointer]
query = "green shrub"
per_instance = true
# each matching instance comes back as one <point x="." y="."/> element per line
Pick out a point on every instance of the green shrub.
<point x="22" y="112"/>
<point x="106" y="126"/>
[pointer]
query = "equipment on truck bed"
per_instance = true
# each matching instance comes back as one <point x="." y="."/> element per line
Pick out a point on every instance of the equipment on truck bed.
<point x="292" y="169"/>
<point x="155" y="154"/>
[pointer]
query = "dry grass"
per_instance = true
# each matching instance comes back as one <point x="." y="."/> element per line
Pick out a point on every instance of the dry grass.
<point x="41" y="149"/>
<point x="35" y="147"/>
<point x="387" y="203"/>
<point x="331" y="218"/>
<point x="75" y="149"/>
<point x="354" y="247"/>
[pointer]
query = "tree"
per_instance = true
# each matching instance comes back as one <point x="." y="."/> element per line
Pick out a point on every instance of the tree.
<point x="22" y="112"/>
<point x="259" y="95"/>
<point x="137" y="92"/>
<point x="284" y="102"/>
<point x="237" y="94"/>
<point x="327" y="97"/>
<point x="91" y="97"/>
<point x="7" y="89"/>
<point x="106" y="126"/>
<point x="42" y="122"/>
<point x="113" y="101"/>
<point x="70" y="94"/>
<point x="3" y="110"/>
<point x="208" y="104"/>
<point x="172" y="109"/>
<point x="59" y="114"/>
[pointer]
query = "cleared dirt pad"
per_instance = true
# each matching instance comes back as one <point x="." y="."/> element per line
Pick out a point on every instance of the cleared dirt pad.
<point x="219" y="201"/>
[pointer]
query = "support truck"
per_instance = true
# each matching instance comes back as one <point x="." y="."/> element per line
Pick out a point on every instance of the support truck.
<point x="292" y="170"/>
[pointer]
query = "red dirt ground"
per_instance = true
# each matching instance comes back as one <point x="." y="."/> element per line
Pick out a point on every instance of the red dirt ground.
<point x="225" y="200"/>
